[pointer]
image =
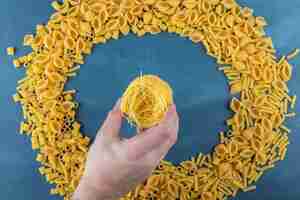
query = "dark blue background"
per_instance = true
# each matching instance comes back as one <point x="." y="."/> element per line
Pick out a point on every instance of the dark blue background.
<point x="200" y="92"/>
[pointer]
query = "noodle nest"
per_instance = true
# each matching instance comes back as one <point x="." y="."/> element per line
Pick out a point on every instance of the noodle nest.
<point x="146" y="100"/>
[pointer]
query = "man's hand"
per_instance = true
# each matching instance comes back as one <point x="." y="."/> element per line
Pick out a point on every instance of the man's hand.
<point x="115" y="165"/>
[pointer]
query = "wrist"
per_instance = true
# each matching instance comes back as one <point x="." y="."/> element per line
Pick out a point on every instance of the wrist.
<point x="86" y="191"/>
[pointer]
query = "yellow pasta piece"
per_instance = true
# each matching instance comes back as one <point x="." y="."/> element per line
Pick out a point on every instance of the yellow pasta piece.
<point x="17" y="63"/>
<point x="74" y="69"/>
<point x="16" y="98"/>
<point x="286" y="71"/>
<point x="57" y="6"/>
<point x="112" y="25"/>
<point x="28" y="40"/>
<point x="293" y="103"/>
<point x="285" y="128"/>
<point x="294" y="54"/>
<point x="283" y="154"/>
<point x="10" y="51"/>
<point x="293" y="114"/>
<point x="196" y="37"/>
<point x="147" y="17"/>
<point x="125" y="30"/>
<point x="250" y="188"/>
<point x="236" y="87"/>
<point x="222" y="137"/>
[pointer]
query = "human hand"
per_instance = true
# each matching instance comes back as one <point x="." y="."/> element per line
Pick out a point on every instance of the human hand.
<point x="115" y="165"/>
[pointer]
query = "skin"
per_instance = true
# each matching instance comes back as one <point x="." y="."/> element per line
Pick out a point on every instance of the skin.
<point x="116" y="165"/>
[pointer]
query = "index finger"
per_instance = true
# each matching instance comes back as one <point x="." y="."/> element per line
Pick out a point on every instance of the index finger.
<point x="154" y="137"/>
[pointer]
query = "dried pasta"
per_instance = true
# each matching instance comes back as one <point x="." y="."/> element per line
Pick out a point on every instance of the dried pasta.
<point x="256" y="138"/>
<point x="146" y="100"/>
<point x="10" y="51"/>
<point x="293" y="54"/>
<point x="250" y="188"/>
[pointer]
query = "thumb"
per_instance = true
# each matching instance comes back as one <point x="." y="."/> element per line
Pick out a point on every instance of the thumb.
<point x="112" y="124"/>
<point x="153" y="138"/>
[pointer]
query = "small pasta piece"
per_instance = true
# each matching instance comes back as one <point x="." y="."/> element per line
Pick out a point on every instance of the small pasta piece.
<point x="267" y="124"/>
<point x="293" y="54"/>
<point x="247" y="153"/>
<point x="16" y="98"/>
<point x="57" y="6"/>
<point x="293" y="103"/>
<point x="286" y="71"/>
<point x="113" y="10"/>
<point x="235" y="105"/>
<point x="196" y="37"/>
<point x="147" y="17"/>
<point x="28" y="40"/>
<point x="292" y="114"/>
<point x="42" y="59"/>
<point x="222" y="137"/>
<point x="136" y="11"/>
<point x="285" y="128"/>
<point x="249" y="189"/>
<point x="10" y="51"/>
<point x="229" y="3"/>
<point x="236" y="87"/>
<point x="112" y="25"/>
<point x="48" y="42"/>
<point x="260" y="21"/>
<point x="285" y="106"/>
<point x="73" y="74"/>
<point x="69" y="43"/>
<point x="16" y="63"/>
<point x="283" y="154"/>
<point x="99" y="40"/>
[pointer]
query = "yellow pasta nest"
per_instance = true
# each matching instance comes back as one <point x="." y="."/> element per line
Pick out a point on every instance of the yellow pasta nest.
<point x="256" y="138"/>
<point x="146" y="100"/>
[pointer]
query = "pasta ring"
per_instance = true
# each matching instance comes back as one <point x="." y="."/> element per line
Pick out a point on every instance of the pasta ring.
<point x="256" y="138"/>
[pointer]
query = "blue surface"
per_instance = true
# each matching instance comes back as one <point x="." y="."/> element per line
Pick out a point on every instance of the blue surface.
<point x="200" y="91"/>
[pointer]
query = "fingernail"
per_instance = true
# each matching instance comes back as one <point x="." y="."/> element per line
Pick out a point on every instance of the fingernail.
<point x="173" y="107"/>
<point x="171" y="110"/>
<point x="169" y="116"/>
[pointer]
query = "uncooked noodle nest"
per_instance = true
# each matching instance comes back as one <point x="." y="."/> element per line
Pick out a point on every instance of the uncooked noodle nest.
<point x="256" y="138"/>
<point x="146" y="100"/>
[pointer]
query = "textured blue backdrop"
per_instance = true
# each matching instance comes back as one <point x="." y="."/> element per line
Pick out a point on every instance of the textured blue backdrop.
<point x="200" y="91"/>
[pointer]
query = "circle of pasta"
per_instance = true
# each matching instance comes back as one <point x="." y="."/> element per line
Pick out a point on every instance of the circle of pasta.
<point x="256" y="138"/>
